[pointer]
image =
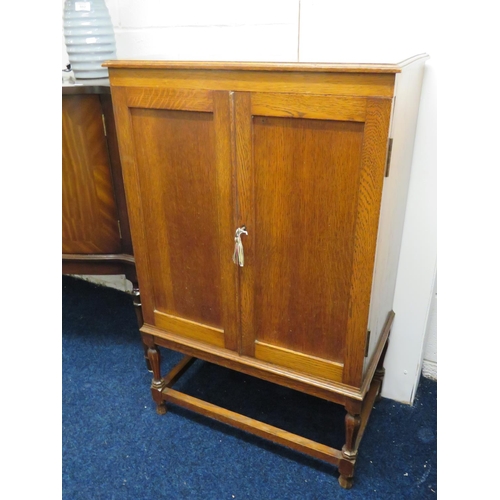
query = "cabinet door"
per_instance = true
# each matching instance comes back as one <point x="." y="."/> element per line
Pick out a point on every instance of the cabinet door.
<point x="310" y="171"/>
<point x="176" y="158"/>
<point x="90" y="219"/>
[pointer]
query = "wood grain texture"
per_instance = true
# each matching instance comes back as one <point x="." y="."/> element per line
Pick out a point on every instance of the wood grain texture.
<point x="90" y="218"/>
<point x="187" y="100"/>
<point x="296" y="161"/>
<point x="257" y="66"/>
<point x="245" y="216"/>
<point x="80" y="146"/>
<point x="320" y="107"/>
<point x="99" y="267"/>
<point x="305" y="197"/>
<point x="179" y="178"/>
<point x="352" y="426"/>
<point x="316" y="386"/>
<point x="338" y="83"/>
<point x="226" y="199"/>
<point x="175" y="153"/>
<point x="298" y="361"/>
<point x="192" y="329"/>
<point x="133" y="195"/>
<point x="116" y="171"/>
<point x="365" y="235"/>
<point x="368" y="404"/>
<point x="296" y="153"/>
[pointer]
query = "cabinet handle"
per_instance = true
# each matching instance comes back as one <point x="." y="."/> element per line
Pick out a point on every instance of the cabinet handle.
<point x="238" y="255"/>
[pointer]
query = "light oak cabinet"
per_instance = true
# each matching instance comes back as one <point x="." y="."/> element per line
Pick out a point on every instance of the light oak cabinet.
<point x="266" y="223"/>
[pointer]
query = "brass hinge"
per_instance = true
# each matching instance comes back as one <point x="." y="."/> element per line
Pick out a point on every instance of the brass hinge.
<point x="119" y="229"/>
<point x="389" y="154"/>
<point x="104" y="125"/>
<point x="367" y="342"/>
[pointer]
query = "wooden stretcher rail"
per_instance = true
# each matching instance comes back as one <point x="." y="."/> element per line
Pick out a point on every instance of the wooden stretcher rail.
<point x="252" y="426"/>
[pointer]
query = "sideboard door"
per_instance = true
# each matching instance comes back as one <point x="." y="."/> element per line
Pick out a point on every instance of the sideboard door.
<point x="89" y="210"/>
<point x="310" y="170"/>
<point x="175" y="146"/>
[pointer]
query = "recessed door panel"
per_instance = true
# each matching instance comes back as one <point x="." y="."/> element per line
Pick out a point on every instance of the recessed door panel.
<point x="177" y="170"/>
<point x="306" y="179"/>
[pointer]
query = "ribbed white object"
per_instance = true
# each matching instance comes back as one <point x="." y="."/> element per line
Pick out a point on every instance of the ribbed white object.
<point x="89" y="37"/>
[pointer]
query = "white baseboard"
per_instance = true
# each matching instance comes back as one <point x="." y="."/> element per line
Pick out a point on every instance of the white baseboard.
<point x="429" y="369"/>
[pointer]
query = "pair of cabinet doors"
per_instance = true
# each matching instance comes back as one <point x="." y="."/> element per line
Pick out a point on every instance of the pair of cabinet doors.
<point x="302" y="173"/>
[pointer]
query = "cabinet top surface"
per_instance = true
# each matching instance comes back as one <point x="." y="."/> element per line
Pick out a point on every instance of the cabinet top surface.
<point x="100" y="86"/>
<point x="262" y="66"/>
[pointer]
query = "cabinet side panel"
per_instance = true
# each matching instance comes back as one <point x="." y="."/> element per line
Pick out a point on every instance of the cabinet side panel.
<point x="394" y="198"/>
<point x="175" y="152"/>
<point x="378" y="115"/>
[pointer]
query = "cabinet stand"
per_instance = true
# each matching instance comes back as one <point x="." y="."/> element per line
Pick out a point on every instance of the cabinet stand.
<point x="358" y="413"/>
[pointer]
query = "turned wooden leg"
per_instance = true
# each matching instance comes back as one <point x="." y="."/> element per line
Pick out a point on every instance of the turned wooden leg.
<point x="352" y="425"/>
<point x="379" y="375"/>
<point x="380" y="372"/>
<point x="346" y="470"/>
<point x="140" y="320"/>
<point x="350" y="448"/>
<point x="345" y="482"/>
<point x="157" y="383"/>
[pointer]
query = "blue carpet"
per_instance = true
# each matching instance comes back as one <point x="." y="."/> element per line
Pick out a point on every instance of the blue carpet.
<point x="115" y="446"/>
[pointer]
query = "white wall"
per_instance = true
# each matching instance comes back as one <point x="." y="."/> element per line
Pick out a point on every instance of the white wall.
<point x="429" y="366"/>
<point x="320" y="30"/>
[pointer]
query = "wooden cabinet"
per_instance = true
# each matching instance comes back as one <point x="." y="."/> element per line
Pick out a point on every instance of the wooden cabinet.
<point x="286" y="164"/>
<point x="95" y="227"/>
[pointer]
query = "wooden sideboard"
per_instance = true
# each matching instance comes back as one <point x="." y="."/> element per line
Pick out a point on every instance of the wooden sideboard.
<point x="266" y="208"/>
<point x="95" y="224"/>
